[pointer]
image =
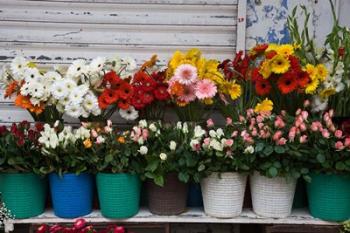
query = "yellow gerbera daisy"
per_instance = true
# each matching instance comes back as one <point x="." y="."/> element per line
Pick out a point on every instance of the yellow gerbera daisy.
<point x="264" y="106"/>
<point x="285" y="50"/>
<point x="312" y="86"/>
<point x="279" y="64"/>
<point x="322" y="72"/>
<point x="234" y="91"/>
<point x="311" y="70"/>
<point x="272" y="47"/>
<point x="265" y="69"/>
<point x="327" y="93"/>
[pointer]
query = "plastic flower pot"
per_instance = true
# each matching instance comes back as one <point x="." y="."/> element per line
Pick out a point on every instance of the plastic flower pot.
<point x="329" y="197"/>
<point x="72" y="195"/>
<point x="169" y="199"/>
<point x="119" y="194"/>
<point x="223" y="194"/>
<point x="24" y="194"/>
<point x="194" y="196"/>
<point x="272" y="197"/>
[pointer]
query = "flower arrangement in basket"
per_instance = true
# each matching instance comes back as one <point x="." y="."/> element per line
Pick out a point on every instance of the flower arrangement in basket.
<point x="31" y="88"/>
<point x="150" y="90"/>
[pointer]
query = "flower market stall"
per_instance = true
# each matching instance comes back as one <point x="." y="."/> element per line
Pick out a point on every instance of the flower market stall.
<point x="273" y="120"/>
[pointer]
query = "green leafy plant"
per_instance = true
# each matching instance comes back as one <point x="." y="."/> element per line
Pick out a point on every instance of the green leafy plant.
<point x="19" y="151"/>
<point x="346" y="227"/>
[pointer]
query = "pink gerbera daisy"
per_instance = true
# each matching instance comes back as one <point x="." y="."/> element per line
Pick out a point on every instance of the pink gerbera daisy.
<point x="205" y="89"/>
<point x="186" y="74"/>
<point x="188" y="94"/>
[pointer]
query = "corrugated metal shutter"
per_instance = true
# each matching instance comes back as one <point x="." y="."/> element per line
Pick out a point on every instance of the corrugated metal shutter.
<point x="59" y="31"/>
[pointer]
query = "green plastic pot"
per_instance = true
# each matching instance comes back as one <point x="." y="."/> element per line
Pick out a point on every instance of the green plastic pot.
<point x="119" y="194"/>
<point x="329" y="197"/>
<point x="24" y="194"/>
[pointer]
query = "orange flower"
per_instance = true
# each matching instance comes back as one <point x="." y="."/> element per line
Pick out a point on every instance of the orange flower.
<point x="24" y="102"/>
<point x="121" y="140"/>
<point x="87" y="143"/>
<point x="11" y="88"/>
<point x="151" y="62"/>
<point x="177" y="89"/>
<point x="181" y="103"/>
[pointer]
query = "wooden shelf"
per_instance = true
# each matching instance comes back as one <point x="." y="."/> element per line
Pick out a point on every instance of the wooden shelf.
<point x="193" y="215"/>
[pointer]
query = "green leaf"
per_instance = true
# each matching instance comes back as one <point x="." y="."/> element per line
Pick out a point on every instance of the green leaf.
<point x="153" y="165"/>
<point x="277" y="164"/>
<point x="321" y="158"/>
<point x="272" y="172"/>
<point x="340" y="166"/>
<point x="259" y="147"/>
<point x="159" y="180"/>
<point x="184" y="177"/>
<point x="109" y="158"/>
<point x="268" y="150"/>
<point x="280" y="149"/>
<point x="201" y="167"/>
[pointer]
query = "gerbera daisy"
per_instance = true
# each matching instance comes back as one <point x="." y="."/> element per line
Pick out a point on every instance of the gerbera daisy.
<point x="123" y="104"/>
<point x="234" y="91"/>
<point x="287" y="83"/>
<point x="311" y="70"/>
<point x="303" y="79"/>
<point x="294" y="63"/>
<point x="125" y="90"/>
<point x="129" y="114"/>
<point x="322" y="72"/>
<point x="102" y="103"/>
<point x="137" y="102"/>
<point x="147" y="98"/>
<point x="285" y="49"/>
<point x="270" y="54"/>
<point x="97" y="64"/>
<point x="11" y="88"/>
<point x="161" y="93"/>
<point x="327" y="92"/>
<point x="148" y="84"/>
<point x="260" y="48"/>
<point x="279" y="64"/>
<point x="112" y="79"/>
<point x="265" y="106"/>
<point x="110" y="96"/>
<point x="265" y="69"/>
<point x="263" y="87"/>
<point x="176" y="88"/>
<point x="312" y="86"/>
<point x="186" y="74"/>
<point x="205" y="89"/>
<point x="188" y="94"/>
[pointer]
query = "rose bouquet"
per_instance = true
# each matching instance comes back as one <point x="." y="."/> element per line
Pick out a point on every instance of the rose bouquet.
<point x="193" y="83"/>
<point x="281" y="76"/>
<point x="94" y="91"/>
<point x="31" y="88"/>
<point x="150" y="91"/>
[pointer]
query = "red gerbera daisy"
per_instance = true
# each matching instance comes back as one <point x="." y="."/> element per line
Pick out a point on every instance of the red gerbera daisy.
<point x="287" y="83"/>
<point x="147" y="98"/>
<point x="303" y="79"/>
<point x="137" y="102"/>
<point x="294" y="63"/>
<point x="260" y="48"/>
<point x="159" y="76"/>
<point x="139" y="77"/>
<point x="113" y="79"/>
<point x="123" y="104"/>
<point x="270" y="54"/>
<point x="161" y="92"/>
<point x="110" y="96"/>
<point x="125" y="91"/>
<point x="148" y="84"/>
<point x="263" y="87"/>
<point x="256" y="76"/>
<point x="102" y="102"/>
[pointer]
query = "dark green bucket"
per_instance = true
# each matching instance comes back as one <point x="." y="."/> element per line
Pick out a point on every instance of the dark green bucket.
<point x="24" y="194"/>
<point x="329" y="197"/>
<point x="119" y="194"/>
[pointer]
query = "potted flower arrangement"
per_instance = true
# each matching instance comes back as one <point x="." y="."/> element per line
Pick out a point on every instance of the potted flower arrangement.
<point x="329" y="159"/>
<point x="150" y="96"/>
<point x="224" y="162"/>
<point x="280" y="144"/>
<point x="22" y="189"/>
<point x="118" y="182"/>
<point x="69" y="160"/>
<point x="170" y="162"/>
<point x="31" y="88"/>
<point x="192" y="81"/>
<point x="93" y="92"/>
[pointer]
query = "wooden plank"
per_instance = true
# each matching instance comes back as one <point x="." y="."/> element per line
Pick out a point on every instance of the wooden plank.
<point x="180" y="2"/>
<point x="105" y="13"/>
<point x="63" y="54"/>
<point x="241" y="25"/>
<point x="117" y="34"/>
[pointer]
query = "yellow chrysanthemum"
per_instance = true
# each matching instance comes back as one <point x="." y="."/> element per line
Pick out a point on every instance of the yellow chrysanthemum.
<point x="264" y="106"/>
<point x="285" y="50"/>
<point x="327" y="93"/>
<point x="265" y="69"/>
<point x="322" y="72"/>
<point x="193" y="54"/>
<point x="279" y="64"/>
<point x="312" y="86"/>
<point x="311" y="70"/>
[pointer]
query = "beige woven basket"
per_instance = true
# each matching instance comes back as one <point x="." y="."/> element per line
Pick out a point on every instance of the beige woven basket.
<point x="223" y="197"/>
<point x="272" y="197"/>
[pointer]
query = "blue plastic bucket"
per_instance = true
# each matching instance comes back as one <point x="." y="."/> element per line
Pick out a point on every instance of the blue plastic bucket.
<point x="194" y="196"/>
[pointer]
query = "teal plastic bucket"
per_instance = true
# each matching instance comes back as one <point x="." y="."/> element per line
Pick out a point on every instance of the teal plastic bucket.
<point x="119" y="194"/>
<point x="24" y="194"/>
<point x="329" y="197"/>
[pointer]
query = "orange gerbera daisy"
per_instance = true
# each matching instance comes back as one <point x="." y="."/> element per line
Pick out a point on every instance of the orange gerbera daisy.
<point x="24" y="102"/>
<point x="177" y="89"/>
<point x="11" y="88"/>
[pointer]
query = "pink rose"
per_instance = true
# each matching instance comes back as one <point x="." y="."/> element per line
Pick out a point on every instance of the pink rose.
<point x="241" y="118"/>
<point x="279" y="123"/>
<point x="234" y="134"/>
<point x="282" y="141"/>
<point x="339" y="145"/>
<point x="325" y="133"/>
<point x="259" y="119"/>
<point x="145" y="134"/>
<point x="210" y="123"/>
<point x="302" y="127"/>
<point x="338" y="133"/>
<point x="206" y="141"/>
<point x="306" y="103"/>
<point x="228" y="121"/>
<point x="254" y="132"/>
<point x="229" y="142"/>
<point x="260" y="125"/>
<point x="277" y="135"/>
<point x="303" y="139"/>
<point x="291" y="134"/>
<point x="94" y="133"/>
<point x="305" y="115"/>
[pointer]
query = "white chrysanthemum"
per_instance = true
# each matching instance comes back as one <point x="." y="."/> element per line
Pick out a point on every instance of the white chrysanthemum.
<point x="130" y="64"/>
<point x="36" y="90"/>
<point x="130" y="114"/>
<point x="89" y="102"/>
<point x="59" y="90"/>
<point x="76" y="95"/>
<point x="18" y="66"/>
<point x="97" y="64"/>
<point x="69" y="84"/>
<point x="33" y="74"/>
<point x="64" y="101"/>
<point x="60" y="107"/>
<point x="52" y="76"/>
<point x="73" y="110"/>
<point x="77" y="68"/>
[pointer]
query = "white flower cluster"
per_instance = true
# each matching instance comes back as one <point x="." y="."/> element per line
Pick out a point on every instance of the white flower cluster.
<point x="5" y="214"/>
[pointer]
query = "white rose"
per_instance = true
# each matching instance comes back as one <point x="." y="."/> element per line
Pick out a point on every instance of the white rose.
<point x="249" y="150"/>
<point x="212" y="133"/>
<point x="153" y="127"/>
<point x="172" y="145"/>
<point x="220" y="132"/>
<point x="185" y="128"/>
<point x="178" y="125"/>
<point x="193" y="143"/>
<point x="199" y="132"/>
<point x="163" y="156"/>
<point x="216" y="145"/>
<point x="143" y="123"/>
<point x="143" y="150"/>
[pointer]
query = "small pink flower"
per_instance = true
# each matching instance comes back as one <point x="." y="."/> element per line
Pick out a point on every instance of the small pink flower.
<point x="94" y="133"/>
<point x="282" y="141"/>
<point x="229" y="142"/>
<point x="109" y="123"/>
<point x="206" y="141"/>
<point x="210" y="123"/>
<point x="347" y="142"/>
<point x="254" y="132"/>
<point x="325" y="133"/>
<point x="205" y="89"/>
<point x="107" y="129"/>
<point x="303" y="139"/>
<point x="277" y="135"/>
<point x="332" y="128"/>
<point x="250" y="112"/>
<point x="234" y="134"/>
<point x="241" y="118"/>
<point x="188" y="94"/>
<point x="306" y="103"/>
<point x="305" y="115"/>
<point x="315" y="126"/>
<point x="259" y="119"/>
<point x="291" y="134"/>
<point x="79" y="223"/>
<point x="145" y="134"/>
<point x="338" y="133"/>
<point x="326" y="117"/>
<point x="298" y="111"/>
<point x="228" y="121"/>
<point x="339" y="145"/>
<point x="186" y="74"/>
<point x="302" y="127"/>
<point x="260" y="125"/>
<point x="279" y="123"/>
